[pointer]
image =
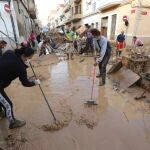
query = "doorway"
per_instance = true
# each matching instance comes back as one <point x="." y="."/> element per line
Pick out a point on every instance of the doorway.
<point x="104" y="26"/>
<point x="113" y="27"/>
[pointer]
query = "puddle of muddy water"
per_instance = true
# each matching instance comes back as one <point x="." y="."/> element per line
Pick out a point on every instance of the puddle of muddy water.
<point x="88" y="128"/>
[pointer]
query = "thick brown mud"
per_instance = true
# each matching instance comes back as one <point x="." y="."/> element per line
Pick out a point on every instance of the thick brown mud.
<point x="118" y="122"/>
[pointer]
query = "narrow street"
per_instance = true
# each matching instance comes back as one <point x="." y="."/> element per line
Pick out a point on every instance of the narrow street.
<point x="118" y="122"/>
<point x="74" y="75"/>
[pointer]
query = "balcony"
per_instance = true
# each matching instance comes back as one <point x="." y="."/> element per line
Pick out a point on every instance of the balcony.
<point x="32" y="9"/>
<point x="77" y="1"/>
<point x="68" y="21"/>
<point x="76" y="17"/>
<point x="67" y="8"/>
<point x="109" y="3"/>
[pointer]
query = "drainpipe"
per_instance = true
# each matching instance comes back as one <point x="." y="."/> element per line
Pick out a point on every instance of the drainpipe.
<point x="13" y="25"/>
<point x="23" y="15"/>
<point x="138" y="14"/>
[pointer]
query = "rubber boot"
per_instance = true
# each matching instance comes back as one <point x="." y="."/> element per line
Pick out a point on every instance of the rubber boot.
<point x="103" y="80"/>
<point x="71" y="56"/>
<point x="16" y="124"/>
<point x="67" y="56"/>
<point x="117" y="53"/>
<point x="120" y="53"/>
<point x="98" y="75"/>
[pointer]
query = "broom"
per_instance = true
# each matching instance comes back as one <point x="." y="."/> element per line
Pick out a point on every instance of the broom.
<point x="57" y="124"/>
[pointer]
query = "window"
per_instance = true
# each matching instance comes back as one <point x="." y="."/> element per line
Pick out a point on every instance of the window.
<point x="92" y="25"/>
<point x="76" y="9"/>
<point x="94" y="6"/>
<point x="80" y="9"/>
<point x="72" y="11"/>
<point x="87" y="6"/>
<point x="96" y="25"/>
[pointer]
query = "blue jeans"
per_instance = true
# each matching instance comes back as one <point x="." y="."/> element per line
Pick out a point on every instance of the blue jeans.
<point x="89" y="43"/>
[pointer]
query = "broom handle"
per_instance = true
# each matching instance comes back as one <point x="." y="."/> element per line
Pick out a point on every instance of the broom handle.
<point x="43" y="93"/>
<point x="93" y="82"/>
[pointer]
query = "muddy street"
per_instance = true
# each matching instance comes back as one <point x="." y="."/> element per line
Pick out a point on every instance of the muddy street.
<point x="118" y="122"/>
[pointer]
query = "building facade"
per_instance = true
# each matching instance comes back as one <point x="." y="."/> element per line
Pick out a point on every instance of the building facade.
<point x="108" y="16"/>
<point x="60" y="15"/>
<point x="72" y="13"/>
<point x="52" y="19"/>
<point x="19" y="22"/>
<point x="90" y="13"/>
<point x="136" y="12"/>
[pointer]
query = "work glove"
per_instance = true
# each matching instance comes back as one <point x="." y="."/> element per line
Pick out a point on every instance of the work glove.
<point x="28" y="61"/>
<point x="37" y="82"/>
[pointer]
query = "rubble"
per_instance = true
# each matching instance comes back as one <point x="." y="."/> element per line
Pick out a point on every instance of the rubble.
<point x="138" y="63"/>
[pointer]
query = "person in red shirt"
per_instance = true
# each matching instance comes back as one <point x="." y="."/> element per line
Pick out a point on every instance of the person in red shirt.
<point x="120" y="42"/>
<point x="32" y="38"/>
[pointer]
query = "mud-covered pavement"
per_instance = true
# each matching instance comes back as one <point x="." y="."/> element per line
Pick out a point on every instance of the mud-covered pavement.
<point x="117" y="123"/>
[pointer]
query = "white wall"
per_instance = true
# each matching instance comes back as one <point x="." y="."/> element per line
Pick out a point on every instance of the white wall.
<point x="89" y="15"/>
<point x="7" y="20"/>
<point x="91" y="19"/>
<point x="23" y="21"/>
<point x="89" y="9"/>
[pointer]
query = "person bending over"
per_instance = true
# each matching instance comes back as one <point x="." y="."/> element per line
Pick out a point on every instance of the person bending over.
<point x="105" y="54"/>
<point x="12" y="65"/>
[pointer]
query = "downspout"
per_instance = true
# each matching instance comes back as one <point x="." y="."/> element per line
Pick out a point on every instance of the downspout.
<point x="138" y="14"/>
<point x="13" y="25"/>
<point x="23" y="15"/>
<point x="30" y="18"/>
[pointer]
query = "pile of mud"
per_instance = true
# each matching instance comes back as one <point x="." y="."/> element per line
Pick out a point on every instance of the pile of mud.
<point x="90" y="117"/>
<point x="64" y="118"/>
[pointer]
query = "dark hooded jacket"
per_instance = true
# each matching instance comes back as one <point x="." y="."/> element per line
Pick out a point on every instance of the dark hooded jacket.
<point x="11" y="67"/>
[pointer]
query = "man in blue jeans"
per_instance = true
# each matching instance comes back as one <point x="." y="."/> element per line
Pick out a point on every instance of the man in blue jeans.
<point x="89" y="40"/>
<point x="105" y="54"/>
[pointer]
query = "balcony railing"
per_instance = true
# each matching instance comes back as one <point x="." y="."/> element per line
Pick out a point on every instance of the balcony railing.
<point x="76" y="17"/>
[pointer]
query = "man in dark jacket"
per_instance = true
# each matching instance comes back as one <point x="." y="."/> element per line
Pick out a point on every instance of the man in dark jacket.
<point x="89" y="40"/>
<point x="12" y="66"/>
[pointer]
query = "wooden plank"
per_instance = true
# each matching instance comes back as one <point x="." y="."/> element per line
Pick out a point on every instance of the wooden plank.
<point x="125" y="77"/>
<point x="115" y="67"/>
